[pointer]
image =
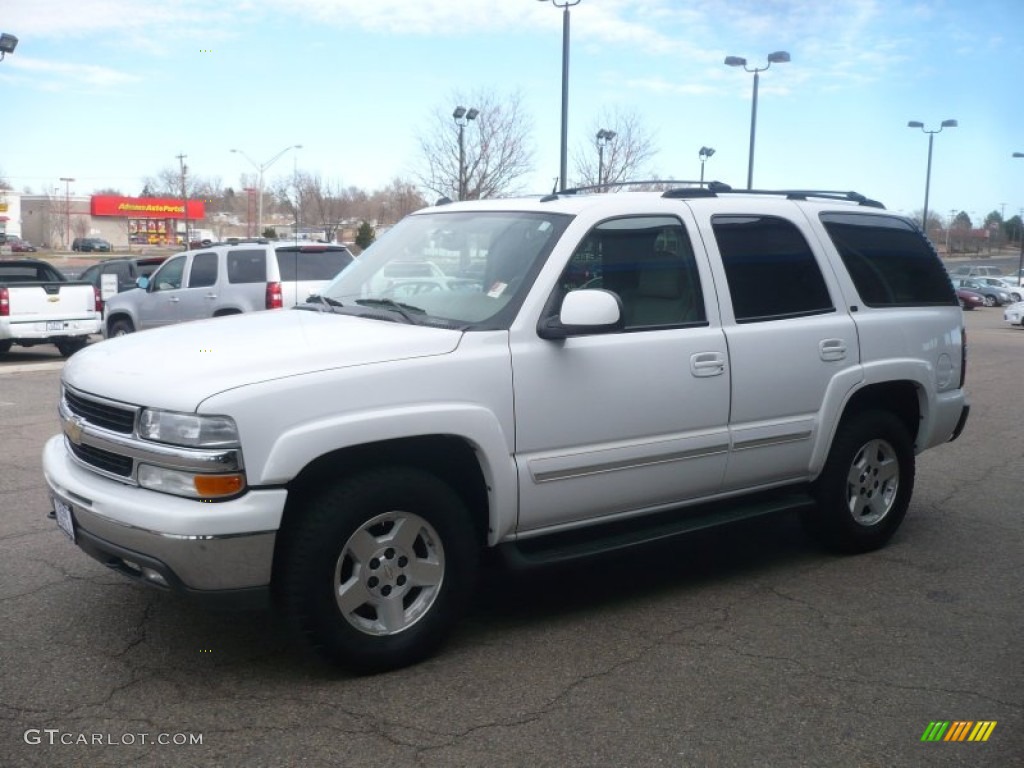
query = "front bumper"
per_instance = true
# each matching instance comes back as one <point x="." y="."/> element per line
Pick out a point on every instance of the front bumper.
<point x="182" y="544"/>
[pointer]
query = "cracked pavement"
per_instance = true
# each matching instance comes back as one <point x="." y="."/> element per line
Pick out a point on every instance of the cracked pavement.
<point x="745" y="646"/>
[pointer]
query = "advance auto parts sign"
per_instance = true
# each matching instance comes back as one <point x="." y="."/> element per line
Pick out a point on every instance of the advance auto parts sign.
<point x="145" y="207"/>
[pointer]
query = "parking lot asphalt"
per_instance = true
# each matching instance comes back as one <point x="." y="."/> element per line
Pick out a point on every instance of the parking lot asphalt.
<point x="745" y="646"/>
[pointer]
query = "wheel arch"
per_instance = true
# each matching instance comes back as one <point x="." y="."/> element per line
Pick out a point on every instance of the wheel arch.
<point x="902" y="397"/>
<point x="119" y="314"/>
<point x="451" y="458"/>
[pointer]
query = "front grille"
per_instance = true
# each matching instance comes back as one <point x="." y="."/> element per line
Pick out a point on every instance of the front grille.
<point x="101" y="414"/>
<point x="105" y="460"/>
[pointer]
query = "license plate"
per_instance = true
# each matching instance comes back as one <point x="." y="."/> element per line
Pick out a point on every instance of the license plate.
<point x="65" y="520"/>
<point x="54" y="325"/>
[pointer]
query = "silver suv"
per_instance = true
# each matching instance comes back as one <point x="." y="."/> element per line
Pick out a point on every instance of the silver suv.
<point x="224" y="280"/>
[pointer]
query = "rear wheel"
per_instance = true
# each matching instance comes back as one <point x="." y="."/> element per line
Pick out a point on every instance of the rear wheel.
<point x="68" y="347"/>
<point x="376" y="569"/>
<point x="990" y="300"/>
<point x="5" y="347"/>
<point x="121" y="327"/>
<point x="865" y="488"/>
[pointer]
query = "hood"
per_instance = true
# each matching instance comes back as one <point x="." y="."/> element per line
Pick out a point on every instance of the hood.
<point x="179" y="366"/>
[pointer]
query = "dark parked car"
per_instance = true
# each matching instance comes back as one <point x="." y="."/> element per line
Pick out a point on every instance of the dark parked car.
<point x="126" y="270"/>
<point x="969" y="299"/>
<point x="89" y="244"/>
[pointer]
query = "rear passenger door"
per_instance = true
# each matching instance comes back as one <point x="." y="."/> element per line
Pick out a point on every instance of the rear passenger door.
<point x="789" y="336"/>
<point x="199" y="298"/>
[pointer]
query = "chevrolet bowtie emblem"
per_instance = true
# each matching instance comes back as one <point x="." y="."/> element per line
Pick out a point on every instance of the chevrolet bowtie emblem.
<point x="73" y="429"/>
<point x="52" y="299"/>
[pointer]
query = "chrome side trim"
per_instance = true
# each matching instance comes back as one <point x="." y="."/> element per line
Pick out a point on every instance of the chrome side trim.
<point x="615" y="466"/>
<point x="763" y="442"/>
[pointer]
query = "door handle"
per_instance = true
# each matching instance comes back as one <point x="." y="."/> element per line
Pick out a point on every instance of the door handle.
<point x="832" y="349"/>
<point x="210" y="296"/>
<point x="703" y="364"/>
<point x="174" y="299"/>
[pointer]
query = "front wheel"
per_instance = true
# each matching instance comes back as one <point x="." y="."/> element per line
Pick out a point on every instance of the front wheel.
<point x="375" y="570"/>
<point x="865" y="488"/>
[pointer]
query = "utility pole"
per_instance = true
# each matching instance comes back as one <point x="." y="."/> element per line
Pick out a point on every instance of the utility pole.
<point x="67" y="209"/>
<point x="184" y="195"/>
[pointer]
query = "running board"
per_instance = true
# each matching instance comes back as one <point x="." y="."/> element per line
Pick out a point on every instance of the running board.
<point x="567" y="546"/>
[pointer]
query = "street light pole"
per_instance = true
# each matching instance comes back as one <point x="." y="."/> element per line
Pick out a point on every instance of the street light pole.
<point x="1020" y="258"/>
<point x="704" y="153"/>
<point x="261" y="168"/>
<point x="67" y="208"/>
<point x="928" y="173"/>
<point x="778" y="57"/>
<point x="603" y="137"/>
<point x="462" y="116"/>
<point x="184" y="196"/>
<point x="565" y="5"/>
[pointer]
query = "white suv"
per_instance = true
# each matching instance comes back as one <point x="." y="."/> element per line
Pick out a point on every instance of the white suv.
<point x="626" y="367"/>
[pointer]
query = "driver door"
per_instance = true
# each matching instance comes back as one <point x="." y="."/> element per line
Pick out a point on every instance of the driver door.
<point x="163" y="295"/>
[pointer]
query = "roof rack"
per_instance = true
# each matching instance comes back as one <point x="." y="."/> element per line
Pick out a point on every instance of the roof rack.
<point x="716" y="187"/>
<point x="636" y="183"/>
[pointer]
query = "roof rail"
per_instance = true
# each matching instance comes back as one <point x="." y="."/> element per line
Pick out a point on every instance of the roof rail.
<point x="635" y="183"/>
<point x="714" y="188"/>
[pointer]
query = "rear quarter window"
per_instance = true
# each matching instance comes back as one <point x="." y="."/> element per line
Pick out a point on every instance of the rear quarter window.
<point x="247" y="266"/>
<point x="890" y="261"/>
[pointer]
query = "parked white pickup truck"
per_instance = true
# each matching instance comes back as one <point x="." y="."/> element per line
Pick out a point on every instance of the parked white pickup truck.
<point x="588" y="372"/>
<point x="38" y="305"/>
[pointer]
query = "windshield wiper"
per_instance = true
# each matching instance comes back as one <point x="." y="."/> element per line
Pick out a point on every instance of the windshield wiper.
<point x="322" y="303"/>
<point x="402" y="309"/>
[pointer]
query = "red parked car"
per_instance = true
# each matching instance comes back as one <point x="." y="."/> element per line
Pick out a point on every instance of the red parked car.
<point x="969" y="299"/>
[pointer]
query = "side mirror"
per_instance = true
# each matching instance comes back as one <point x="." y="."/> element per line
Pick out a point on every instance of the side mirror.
<point x="583" y="312"/>
<point x="143" y="283"/>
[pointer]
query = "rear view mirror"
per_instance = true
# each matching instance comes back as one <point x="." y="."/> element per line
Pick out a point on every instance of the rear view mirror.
<point x="142" y="282"/>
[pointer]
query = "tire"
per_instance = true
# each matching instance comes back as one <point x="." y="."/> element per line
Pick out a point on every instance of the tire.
<point x="865" y="487"/>
<point x="5" y="347"/>
<point x="375" y="570"/>
<point x="121" y="327"/>
<point x="68" y="347"/>
<point x="990" y="300"/>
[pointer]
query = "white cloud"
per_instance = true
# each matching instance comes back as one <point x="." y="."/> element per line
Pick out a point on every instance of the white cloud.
<point x="53" y="73"/>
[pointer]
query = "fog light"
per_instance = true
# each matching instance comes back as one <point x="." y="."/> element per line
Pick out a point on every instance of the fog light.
<point x="150" y="575"/>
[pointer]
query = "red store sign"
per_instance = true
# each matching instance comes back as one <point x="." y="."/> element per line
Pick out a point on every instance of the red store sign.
<point x="145" y="207"/>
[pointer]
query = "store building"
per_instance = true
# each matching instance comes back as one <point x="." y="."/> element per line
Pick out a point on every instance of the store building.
<point x="54" y="221"/>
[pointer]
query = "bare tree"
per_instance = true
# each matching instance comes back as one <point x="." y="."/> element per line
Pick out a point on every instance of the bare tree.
<point x="616" y="159"/>
<point x="497" y="151"/>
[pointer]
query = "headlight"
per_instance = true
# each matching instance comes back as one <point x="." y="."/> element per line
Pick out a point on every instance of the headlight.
<point x="187" y="429"/>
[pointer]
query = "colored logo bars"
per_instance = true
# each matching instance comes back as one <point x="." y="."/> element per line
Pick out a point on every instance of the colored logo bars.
<point x="958" y="730"/>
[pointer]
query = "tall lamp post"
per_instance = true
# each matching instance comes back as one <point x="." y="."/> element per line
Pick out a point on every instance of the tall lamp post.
<point x="778" y="57"/>
<point x="184" y="196"/>
<point x="7" y="44"/>
<point x="1020" y="259"/>
<point x="261" y="168"/>
<point x="565" y="5"/>
<point x="67" y="208"/>
<point x="462" y="116"/>
<point x="928" y="174"/>
<point x="704" y="154"/>
<point x="249" y="192"/>
<point x="603" y="137"/>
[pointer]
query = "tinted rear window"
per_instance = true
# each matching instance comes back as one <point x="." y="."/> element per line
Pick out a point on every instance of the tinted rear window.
<point x="891" y="262"/>
<point x="771" y="270"/>
<point x="313" y="264"/>
<point x="247" y="266"/>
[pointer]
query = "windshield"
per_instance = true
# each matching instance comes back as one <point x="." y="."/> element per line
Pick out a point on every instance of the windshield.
<point x="460" y="269"/>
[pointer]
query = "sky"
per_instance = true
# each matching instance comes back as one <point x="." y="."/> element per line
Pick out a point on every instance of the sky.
<point x="110" y="91"/>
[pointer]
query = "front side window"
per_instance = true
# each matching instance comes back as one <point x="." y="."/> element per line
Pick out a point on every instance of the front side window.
<point x="889" y="260"/>
<point x="467" y="269"/>
<point x="648" y="262"/>
<point x="168" y="277"/>
<point x="770" y="268"/>
<point x="204" y="270"/>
